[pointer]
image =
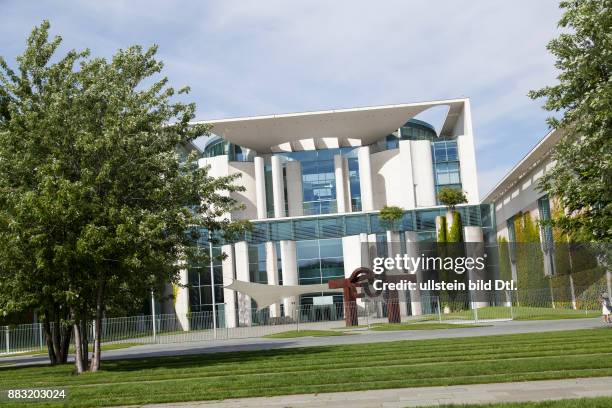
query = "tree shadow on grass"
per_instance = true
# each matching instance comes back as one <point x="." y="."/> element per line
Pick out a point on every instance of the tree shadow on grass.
<point x="209" y="356"/>
<point x="184" y="359"/>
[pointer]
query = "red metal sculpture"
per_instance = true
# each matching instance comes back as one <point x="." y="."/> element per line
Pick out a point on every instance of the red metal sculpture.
<point x="364" y="278"/>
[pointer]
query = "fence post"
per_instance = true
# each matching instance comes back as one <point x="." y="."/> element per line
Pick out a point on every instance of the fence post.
<point x="297" y="320"/>
<point x="367" y="313"/>
<point x="475" y="309"/>
<point x="511" y="306"/>
<point x="153" y="318"/>
<point x="40" y="334"/>
<point x="8" y="338"/>
<point x="439" y="311"/>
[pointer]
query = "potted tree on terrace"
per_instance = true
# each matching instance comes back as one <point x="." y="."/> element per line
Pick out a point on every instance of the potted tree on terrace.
<point x="448" y="229"/>
<point x="391" y="217"/>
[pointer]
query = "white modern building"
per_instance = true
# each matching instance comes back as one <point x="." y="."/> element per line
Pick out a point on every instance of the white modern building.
<point x="518" y="194"/>
<point x="314" y="185"/>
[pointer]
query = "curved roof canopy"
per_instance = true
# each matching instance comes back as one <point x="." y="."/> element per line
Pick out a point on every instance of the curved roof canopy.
<point x="348" y="127"/>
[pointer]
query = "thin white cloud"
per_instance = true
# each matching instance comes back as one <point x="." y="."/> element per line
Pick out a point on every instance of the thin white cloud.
<point x="260" y="57"/>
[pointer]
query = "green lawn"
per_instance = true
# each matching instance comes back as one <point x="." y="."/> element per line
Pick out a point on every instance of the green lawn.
<point x="304" y="333"/>
<point x="420" y="326"/>
<point x="470" y="360"/>
<point x="105" y="347"/>
<point x="518" y="313"/>
<point x="601" y="402"/>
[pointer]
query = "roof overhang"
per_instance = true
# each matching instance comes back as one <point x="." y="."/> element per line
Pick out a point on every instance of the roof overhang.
<point x="535" y="156"/>
<point x="350" y="127"/>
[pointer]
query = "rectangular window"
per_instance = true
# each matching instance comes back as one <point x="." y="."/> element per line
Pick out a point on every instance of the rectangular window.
<point x="319" y="260"/>
<point x="200" y="292"/>
<point x="546" y="230"/>
<point x="446" y="165"/>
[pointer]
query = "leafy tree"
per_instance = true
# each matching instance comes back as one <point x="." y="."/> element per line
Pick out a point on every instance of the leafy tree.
<point x="96" y="206"/>
<point x="451" y="197"/>
<point x="582" y="175"/>
<point x="391" y="216"/>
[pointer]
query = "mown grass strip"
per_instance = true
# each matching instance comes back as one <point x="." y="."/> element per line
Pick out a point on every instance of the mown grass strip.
<point x="554" y="355"/>
<point x="420" y="326"/>
<point x="291" y="334"/>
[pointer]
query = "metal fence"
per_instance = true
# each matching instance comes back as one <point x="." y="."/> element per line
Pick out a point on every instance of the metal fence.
<point x="443" y="307"/>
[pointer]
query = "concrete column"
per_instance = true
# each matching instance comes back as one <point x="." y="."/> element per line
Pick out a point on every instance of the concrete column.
<point x="229" y="296"/>
<point x="272" y="272"/>
<point x="365" y="178"/>
<point x="295" y="197"/>
<point x="340" y="184"/>
<point x="412" y="250"/>
<point x="467" y="156"/>
<point x="352" y="252"/>
<point x="260" y="188"/>
<point x="241" y="251"/>
<point x="365" y="250"/>
<point x="290" y="275"/>
<point x="181" y="303"/>
<point x="407" y="195"/>
<point x="422" y="173"/>
<point x="372" y="249"/>
<point x="278" y="188"/>
<point x="475" y="248"/>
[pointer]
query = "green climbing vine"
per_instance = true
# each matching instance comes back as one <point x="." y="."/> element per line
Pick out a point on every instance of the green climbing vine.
<point x="533" y="286"/>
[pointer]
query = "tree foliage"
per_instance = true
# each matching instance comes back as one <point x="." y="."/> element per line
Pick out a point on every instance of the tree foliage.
<point x="455" y="231"/>
<point x="390" y="216"/>
<point x="451" y="197"/>
<point x="533" y="286"/>
<point x="96" y="207"/>
<point x="505" y="269"/>
<point x="441" y="229"/>
<point x="582" y="175"/>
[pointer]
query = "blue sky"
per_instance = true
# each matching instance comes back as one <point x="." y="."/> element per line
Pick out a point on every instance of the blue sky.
<point x="244" y="58"/>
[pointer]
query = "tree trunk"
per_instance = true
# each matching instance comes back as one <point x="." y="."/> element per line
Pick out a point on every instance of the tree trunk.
<point x="49" y="340"/>
<point x="65" y="343"/>
<point x="84" y="341"/>
<point x="97" y="352"/>
<point x="78" y="354"/>
<point x="57" y="333"/>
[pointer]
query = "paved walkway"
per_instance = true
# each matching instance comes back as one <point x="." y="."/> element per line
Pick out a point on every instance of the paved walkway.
<point x="426" y="396"/>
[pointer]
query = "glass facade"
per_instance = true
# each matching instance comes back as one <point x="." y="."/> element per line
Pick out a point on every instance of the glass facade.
<point x="416" y="129"/>
<point x="319" y="260"/>
<point x="257" y="263"/>
<point x="318" y="186"/>
<point x="319" y="179"/>
<point x="446" y="164"/>
<point x="200" y="294"/>
<point x="337" y="226"/>
<point x="217" y="146"/>
<point x="353" y="176"/>
<point x="546" y="230"/>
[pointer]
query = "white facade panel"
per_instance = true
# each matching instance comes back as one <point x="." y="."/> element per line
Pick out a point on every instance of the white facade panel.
<point x="422" y="173"/>
<point x="295" y="197"/>
<point x="248" y="197"/>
